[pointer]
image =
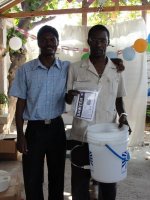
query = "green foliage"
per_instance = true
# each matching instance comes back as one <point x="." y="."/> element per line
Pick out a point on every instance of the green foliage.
<point x="12" y="33"/>
<point x="3" y="98"/>
<point x="33" y="4"/>
<point x="113" y="17"/>
<point x="52" y="5"/>
<point x="94" y="18"/>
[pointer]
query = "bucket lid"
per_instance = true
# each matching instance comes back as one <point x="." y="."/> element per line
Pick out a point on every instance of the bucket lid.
<point x="107" y="132"/>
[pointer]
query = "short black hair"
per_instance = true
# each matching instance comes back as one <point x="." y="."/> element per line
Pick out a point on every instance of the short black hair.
<point x="98" y="27"/>
<point x="47" y="29"/>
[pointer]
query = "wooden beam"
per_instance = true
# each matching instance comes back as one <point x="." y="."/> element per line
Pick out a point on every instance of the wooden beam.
<point x="74" y="11"/>
<point x="84" y="15"/>
<point x="10" y="5"/>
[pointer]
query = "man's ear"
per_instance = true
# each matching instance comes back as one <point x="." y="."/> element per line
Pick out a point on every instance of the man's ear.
<point x="38" y="43"/>
<point x="108" y="42"/>
<point x="57" y="43"/>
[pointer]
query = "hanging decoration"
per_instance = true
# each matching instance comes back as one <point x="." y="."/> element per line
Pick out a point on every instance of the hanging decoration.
<point x="111" y="54"/>
<point x="74" y="49"/>
<point x="15" y="43"/>
<point x="128" y="53"/>
<point x="140" y="45"/>
<point x="148" y="47"/>
<point x="25" y="33"/>
<point x="85" y="56"/>
<point x="148" y="38"/>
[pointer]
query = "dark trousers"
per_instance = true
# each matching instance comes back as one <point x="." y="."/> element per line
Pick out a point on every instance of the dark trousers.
<point x="80" y="179"/>
<point x="45" y="141"/>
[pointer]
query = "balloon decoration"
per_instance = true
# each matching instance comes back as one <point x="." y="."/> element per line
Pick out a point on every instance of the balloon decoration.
<point x="148" y="47"/>
<point x="85" y="56"/>
<point x="15" y="43"/>
<point x="112" y="54"/>
<point x="140" y="45"/>
<point x="148" y="38"/>
<point x="128" y="53"/>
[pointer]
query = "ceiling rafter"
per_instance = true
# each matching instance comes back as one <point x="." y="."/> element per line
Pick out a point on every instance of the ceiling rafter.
<point x="74" y="11"/>
<point x="10" y="5"/>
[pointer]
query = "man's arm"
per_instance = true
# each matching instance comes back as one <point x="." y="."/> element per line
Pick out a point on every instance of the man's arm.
<point x="122" y="114"/>
<point x="21" y="142"/>
<point x="119" y="64"/>
<point x="70" y="95"/>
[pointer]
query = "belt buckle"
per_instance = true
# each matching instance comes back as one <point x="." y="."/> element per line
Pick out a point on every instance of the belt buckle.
<point x="47" y="121"/>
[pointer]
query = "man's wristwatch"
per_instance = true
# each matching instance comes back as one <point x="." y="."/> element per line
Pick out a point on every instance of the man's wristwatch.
<point x="123" y="114"/>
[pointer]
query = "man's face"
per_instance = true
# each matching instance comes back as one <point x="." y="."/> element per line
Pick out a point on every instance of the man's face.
<point x="98" y="42"/>
<point x="48" y="44"/>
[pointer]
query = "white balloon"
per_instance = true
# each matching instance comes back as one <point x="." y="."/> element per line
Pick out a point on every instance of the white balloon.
<point x="15" y="43"/>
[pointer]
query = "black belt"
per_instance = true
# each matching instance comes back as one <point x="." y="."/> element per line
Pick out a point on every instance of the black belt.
<point x="43" y="122"/>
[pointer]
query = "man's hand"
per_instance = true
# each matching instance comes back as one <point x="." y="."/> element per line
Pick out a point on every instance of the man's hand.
<point x="21" y="143"/>
<point x="122" y="121"/>
<point x="118" y="63"/>
<point x="70" y="95"/>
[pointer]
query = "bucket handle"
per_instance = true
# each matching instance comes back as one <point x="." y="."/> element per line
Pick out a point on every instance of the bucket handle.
<point x="116" y="154"/>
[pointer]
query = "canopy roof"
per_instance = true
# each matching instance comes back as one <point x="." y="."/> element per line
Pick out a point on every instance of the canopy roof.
<point x="4" y="2"/>
<point x="7" y="4"/>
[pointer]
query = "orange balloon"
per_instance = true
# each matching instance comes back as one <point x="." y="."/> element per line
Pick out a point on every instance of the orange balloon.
<point x="140" y="45"/>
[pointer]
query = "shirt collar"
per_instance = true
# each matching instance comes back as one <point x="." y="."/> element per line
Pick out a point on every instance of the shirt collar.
<point x="87" y="63"/>
<point x="38" y="63"/>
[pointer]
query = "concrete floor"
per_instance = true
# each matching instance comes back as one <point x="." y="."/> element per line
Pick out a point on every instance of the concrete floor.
<point x="135" y="187"/>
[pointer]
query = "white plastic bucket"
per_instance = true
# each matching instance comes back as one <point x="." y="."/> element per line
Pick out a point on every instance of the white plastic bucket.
<point x="108" y="152"/>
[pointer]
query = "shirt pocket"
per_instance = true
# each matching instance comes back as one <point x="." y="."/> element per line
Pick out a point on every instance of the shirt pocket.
<point x="85" y="85"/>
<point x="112" y="85"/>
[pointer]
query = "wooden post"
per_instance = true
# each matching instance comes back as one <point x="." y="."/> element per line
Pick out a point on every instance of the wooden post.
<point x="84" y="15"/>
<point x="1" y="60"/>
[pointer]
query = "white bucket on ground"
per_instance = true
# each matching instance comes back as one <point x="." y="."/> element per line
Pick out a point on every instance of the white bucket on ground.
<point x="108" y="164"/>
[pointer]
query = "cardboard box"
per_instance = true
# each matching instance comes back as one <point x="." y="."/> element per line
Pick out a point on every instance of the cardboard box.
<point x="8" y="150"/>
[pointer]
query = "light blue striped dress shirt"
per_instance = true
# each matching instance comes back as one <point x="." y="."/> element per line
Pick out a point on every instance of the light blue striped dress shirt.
<point x="44" y="89"/>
